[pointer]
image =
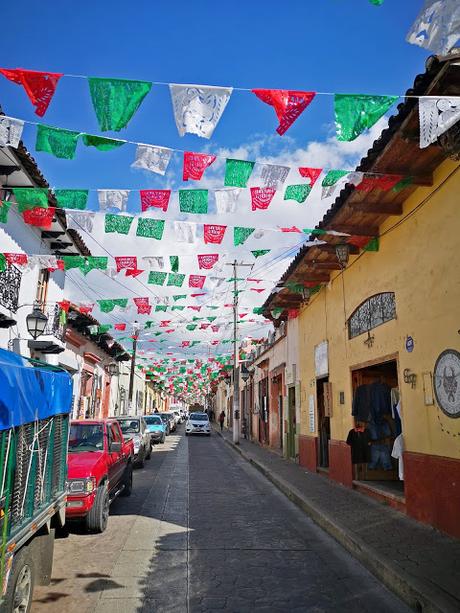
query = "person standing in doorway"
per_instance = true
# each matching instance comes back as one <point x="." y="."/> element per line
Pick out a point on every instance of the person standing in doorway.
<point x="221" y="420"/>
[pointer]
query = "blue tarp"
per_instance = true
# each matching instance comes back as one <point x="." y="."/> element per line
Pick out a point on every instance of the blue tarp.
<point x="30" y="392"/>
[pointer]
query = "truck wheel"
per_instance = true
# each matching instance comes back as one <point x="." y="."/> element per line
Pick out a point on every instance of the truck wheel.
<point x="149" y="455"/>
<point x="97" y="518"/>
<point x="20" y="588"/>
<point x="128" y="481"/>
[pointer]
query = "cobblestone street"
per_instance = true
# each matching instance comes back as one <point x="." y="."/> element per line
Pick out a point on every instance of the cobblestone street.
<point x="204" y="531"/>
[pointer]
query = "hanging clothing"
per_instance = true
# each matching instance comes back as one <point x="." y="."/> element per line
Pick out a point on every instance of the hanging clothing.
<point x="380" y="401"/>
<point x="379" y="431"/>
<point x="371" y="402"/>
<point x="396" y="414"/>
<point x="380" y="457"/>
<point x="397" y="453"/>
<point x="394" y="396"/>
<point x="361" y="408"/>
<point x="359" y="440"/>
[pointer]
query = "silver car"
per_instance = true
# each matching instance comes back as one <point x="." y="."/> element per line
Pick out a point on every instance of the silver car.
<point x="198" y="423"/>
<point x="134" y="428"/>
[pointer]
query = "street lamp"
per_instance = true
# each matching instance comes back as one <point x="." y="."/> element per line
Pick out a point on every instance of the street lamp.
<point x="245" y="374"/>
<point x="36" y="322"/>
<point x="112" y="369"/>
<point x="342" y="251"/>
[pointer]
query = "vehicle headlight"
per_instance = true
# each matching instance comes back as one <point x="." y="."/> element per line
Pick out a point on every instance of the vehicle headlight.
<point x="81" y="486"/>
<point x="137" y="442"/>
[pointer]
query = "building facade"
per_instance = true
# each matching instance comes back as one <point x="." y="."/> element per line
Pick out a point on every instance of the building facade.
<point x="35" y="281"/>
<point x="379" y="342"/>
<point x="95" y="362"/>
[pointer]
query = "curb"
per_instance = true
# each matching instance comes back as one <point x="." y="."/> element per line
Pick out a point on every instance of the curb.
<point x="412" y="590"/>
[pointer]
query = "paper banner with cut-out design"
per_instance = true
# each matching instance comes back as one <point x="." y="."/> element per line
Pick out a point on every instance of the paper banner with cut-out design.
<point x="150" y="228"/>
<point x="240" y="235"/>
<point x="356" y="112"/>
<point x="193" y="201"/>
<point x="157" y="278"/>
<point x="288" y="104"/>
<point x="198" y="108"/>
<point x="120" y="224"/>
<point x="213" y="233"/>
<point x="57" y="141"/>
<point x="297" y="192"/>
<point x="237" y="172"/>
<point x="261" y="197"/>
<point x="39" y="86"/>
<point x="116" y="100"/>
<point x="71" y="198"/>
<point x="195" y="164"/>
<point x="10" y="131"/>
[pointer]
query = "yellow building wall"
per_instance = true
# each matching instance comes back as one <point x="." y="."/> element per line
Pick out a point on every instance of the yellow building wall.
<point x="418" y="260"/>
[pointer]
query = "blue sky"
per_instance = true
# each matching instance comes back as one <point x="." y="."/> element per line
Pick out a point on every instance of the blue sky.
<point x="347" y="46"/>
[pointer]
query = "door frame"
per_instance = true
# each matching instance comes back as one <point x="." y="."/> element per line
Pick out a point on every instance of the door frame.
<point x="322" y="458"/>
<point x="291" y="421"/>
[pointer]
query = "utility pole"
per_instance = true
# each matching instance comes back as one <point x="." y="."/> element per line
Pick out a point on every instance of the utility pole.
<point x="133" y="365"/>
<point x="236" y="370"/>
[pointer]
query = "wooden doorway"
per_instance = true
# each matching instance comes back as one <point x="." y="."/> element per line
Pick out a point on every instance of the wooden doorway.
<point x="291" y="423"/>
<point x="381" y="474"/>
<point x="324" y="421"/>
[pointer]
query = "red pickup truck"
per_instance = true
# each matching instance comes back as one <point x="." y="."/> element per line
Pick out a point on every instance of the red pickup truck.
<point x="100" y="467"/>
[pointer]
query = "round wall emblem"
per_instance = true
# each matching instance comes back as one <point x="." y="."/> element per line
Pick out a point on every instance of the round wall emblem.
<point x="447" y="382"/>
<point x="409" y="344"/>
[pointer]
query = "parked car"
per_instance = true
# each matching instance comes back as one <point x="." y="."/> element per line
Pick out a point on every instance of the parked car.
<point x="167" y="422"/>
<point x="178" y="415"/>
<point x="134" y="428"/>
<point x="156" y="428"/>
<point x="100" y="468"/>
<point x="178" y="410"/>
<point x="35" y="402"/>
<point x="172" y="421"/>
<point x="198" y="423"/>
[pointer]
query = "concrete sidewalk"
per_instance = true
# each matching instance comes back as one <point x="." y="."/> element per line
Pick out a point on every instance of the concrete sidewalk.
<point x="418" y="563"/>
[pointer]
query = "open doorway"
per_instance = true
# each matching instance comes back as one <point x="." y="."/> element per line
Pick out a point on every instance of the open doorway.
<point x="324" y="422"/>
<point x="291" y="422"/>
<point x="377" y="416"/>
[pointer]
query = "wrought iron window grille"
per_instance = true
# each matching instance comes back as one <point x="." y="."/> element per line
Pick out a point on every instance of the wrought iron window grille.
<point x="372" y="313"/>
<point x="10" y="283"/>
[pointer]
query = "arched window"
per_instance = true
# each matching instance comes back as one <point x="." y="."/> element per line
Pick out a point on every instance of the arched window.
<point x="371" y="313"/>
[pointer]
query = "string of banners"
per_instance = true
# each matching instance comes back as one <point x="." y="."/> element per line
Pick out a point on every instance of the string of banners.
<point x="144" y="306"/>
<point x="38" y="205"/>
<point x="436" y="116"/>
<point x="129" y="264"/>
<point x="198" y="108"/>
<point x="33" y="204"/>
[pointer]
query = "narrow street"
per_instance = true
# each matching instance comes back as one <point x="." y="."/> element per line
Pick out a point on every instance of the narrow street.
<point x="204" y="531"/>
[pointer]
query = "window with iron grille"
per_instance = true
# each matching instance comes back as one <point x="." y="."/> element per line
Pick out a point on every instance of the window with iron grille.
<point x="10" y="283"/>
<point x="373" y="312"/>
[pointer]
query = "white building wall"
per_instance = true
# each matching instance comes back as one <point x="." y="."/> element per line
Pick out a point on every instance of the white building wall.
<point x="138" y="404"/>
<point x="18" y="237"/>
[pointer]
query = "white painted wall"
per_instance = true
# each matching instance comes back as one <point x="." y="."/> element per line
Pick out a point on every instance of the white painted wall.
<point x="123" y="390"/>
<point x="18" y="237"/>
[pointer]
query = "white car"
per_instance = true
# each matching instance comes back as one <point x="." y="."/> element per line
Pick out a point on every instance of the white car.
<point x="198" y="423"/>
<point x="178" y="415"/>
